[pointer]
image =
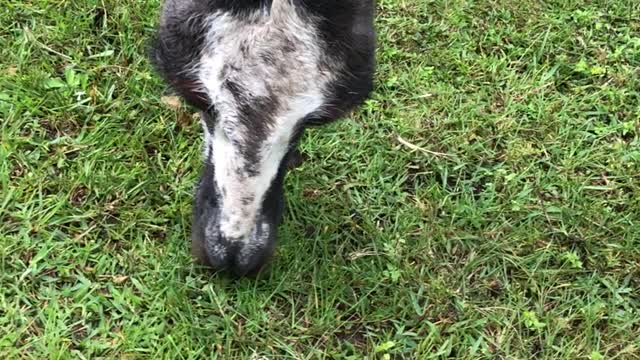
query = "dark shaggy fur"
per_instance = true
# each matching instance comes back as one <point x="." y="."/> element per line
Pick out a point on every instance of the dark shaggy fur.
<point x="346" y="37"/>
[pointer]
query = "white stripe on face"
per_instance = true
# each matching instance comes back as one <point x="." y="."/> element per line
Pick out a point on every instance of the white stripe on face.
<point x="262" y="73"/>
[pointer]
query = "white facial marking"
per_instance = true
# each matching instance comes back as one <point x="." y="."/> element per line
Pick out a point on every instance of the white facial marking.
<point x="265" y="66"/>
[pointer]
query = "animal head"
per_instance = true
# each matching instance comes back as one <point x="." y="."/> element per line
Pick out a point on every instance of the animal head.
<point x="260" y="72"/>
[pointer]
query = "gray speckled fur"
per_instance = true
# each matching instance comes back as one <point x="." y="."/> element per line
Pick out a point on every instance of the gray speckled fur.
<point x="260" y="71"/>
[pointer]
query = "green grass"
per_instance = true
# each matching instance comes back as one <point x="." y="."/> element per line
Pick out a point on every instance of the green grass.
<point x="484" y="204"/>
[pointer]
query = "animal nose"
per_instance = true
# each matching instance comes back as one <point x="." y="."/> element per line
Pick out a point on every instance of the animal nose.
<point x="239" y="256"/>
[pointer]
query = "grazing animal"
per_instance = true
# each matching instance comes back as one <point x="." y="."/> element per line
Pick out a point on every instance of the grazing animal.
<point x="259" y="71"/>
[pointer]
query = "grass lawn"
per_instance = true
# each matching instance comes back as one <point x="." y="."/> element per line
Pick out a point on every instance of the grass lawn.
<point x="484" y="204"/>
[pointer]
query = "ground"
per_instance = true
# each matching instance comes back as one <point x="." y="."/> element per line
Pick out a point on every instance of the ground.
<point x="485" y="203"/>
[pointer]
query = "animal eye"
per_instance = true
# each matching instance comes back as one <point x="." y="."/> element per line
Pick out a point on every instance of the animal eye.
<point x="313" y="120"/>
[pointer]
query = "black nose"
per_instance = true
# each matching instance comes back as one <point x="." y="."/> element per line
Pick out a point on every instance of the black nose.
<point x="234" y="258"/>
<point x="240" y="257"/>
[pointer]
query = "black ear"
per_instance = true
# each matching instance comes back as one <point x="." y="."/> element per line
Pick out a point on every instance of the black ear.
<point x="178" y="41"/>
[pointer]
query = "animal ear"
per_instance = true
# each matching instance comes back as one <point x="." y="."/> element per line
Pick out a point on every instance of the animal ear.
<point x="178" y="41"/>
<point x="190" y="90"/>
<point x="176" y="8"/>
<point x="363" y="19"/>
<point x="169" y="66"/>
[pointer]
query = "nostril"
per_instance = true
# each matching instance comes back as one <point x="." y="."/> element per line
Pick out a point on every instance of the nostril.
<point x="248" y="261"/>
<point x="244" y="255"/>
<point x="218" y="252"/>
<point x="237" y="256"/>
